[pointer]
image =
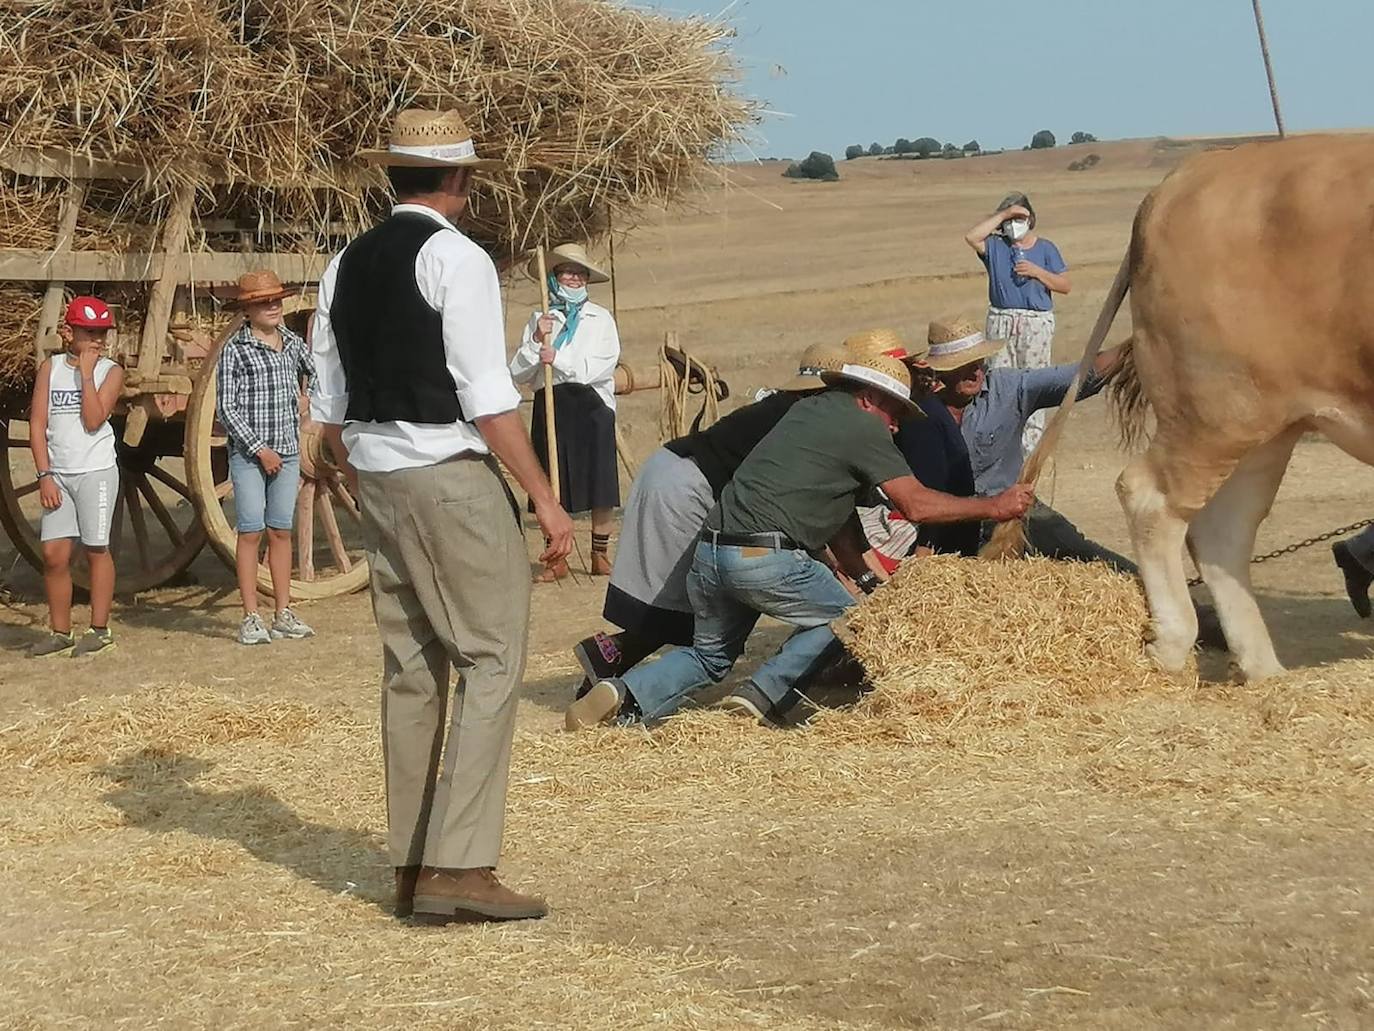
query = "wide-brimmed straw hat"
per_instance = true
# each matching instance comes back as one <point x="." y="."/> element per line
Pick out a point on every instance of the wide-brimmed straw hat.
<point x="815" y="360"/>
<point x="430" y="139"/>
<point x="567" y="254"/>
<point x="256" y="287"/>
<point x="956" y="342"/>
<point x="882" y="372"/>
<point x="888" y="342"/>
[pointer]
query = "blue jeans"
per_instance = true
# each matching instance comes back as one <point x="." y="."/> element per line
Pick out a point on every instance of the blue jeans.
<point x="729" y="589"/>
<point x="260" y="499"/>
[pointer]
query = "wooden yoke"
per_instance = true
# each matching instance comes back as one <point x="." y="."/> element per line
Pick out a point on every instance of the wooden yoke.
<point x="153" y="343"/>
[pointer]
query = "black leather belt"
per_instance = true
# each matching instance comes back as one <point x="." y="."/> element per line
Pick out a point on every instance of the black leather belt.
<point x="776" y="541"/>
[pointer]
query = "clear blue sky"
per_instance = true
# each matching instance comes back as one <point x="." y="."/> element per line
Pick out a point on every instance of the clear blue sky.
<point x="860" y="71"/>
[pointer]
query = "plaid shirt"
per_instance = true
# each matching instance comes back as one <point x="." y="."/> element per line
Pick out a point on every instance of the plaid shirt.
<point x="258" y="391"/>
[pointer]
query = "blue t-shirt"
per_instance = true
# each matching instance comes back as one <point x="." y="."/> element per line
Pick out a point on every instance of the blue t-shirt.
<point x="1004" y="290"/>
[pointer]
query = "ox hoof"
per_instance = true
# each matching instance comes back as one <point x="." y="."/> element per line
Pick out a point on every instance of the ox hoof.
<point x="1240" y="674"/>
<point x="1170" y="660"/>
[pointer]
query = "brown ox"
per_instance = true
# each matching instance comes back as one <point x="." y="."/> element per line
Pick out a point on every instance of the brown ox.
<point x="1251" y="277"/>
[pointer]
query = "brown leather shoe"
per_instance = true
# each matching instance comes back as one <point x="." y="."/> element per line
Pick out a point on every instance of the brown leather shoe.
<point x="549" y="574"/>
<point x="406" y="877"/>
<point x="444" y="896"/>
<point x="601" y="564"/>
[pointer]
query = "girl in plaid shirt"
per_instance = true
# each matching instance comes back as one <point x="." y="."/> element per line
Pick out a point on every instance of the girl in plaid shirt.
<point x="262" y="371"/>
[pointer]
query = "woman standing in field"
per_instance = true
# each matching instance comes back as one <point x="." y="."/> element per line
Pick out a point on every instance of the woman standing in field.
<point x="579" y="340"/>
<point x="1024" y="272"/>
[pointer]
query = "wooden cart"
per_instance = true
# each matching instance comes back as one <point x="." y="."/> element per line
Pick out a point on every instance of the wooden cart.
<point x="175" y="492"/>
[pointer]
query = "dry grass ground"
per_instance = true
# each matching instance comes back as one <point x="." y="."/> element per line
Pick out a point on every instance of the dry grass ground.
<point x="190" y="831"/>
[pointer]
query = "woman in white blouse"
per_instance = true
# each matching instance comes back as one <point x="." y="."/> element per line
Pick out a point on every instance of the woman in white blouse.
<point x="578" y="339"/>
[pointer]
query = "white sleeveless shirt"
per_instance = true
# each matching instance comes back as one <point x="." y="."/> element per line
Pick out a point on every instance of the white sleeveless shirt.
<point x="71" y="447"/>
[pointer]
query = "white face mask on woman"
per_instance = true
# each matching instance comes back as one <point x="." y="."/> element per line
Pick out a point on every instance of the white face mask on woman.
<point x="570" y="294"/>
<point x="1016" y="228"/>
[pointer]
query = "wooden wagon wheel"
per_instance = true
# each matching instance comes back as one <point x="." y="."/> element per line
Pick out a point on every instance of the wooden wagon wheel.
<point x="154" y="531"/>
<point x="327" y="563"/>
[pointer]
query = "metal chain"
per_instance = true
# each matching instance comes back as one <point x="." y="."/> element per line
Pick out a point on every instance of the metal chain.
<point x="1339" y="531"/>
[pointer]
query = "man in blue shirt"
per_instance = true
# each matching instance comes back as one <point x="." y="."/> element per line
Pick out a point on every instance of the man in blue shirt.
<point x="991" y="408"/>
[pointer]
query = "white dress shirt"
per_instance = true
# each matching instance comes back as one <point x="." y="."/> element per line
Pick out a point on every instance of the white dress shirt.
<point x="458" y="280"/>
<point x="589" y="357"/>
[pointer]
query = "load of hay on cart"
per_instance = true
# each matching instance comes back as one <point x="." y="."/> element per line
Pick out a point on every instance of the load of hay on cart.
<point x="152" y="159"/>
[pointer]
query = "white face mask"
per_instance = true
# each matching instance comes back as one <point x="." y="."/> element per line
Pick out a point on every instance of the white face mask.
<point x="1016" y="228"/>
<point x="571" y="294"/>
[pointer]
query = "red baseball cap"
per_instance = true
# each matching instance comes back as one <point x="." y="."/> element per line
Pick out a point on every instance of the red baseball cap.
<point x="90" y="313"/>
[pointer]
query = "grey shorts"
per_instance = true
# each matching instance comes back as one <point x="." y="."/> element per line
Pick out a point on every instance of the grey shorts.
<point x="88" y="503"/>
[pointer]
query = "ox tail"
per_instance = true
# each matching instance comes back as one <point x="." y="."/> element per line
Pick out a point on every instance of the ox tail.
<point x="1129" y="404"/>
<point x="1009" y="539"/>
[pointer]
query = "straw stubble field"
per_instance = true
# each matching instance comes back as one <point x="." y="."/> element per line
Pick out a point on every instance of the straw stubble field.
<point x="1027" y="828"/>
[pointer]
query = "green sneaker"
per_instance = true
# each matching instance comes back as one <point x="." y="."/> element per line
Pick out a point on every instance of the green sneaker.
<point x="53" y="644"/>
<point x="93" y="641"/>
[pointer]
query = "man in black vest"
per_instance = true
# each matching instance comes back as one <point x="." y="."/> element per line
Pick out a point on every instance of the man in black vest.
<point x="413" y="388"/>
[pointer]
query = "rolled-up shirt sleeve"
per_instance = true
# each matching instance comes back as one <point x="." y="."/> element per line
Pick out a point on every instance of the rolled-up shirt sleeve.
<point x="459" y="281"/>
<point x="525" y="365"/>
<point x="1045" y="388"/>
<point x="328" y="386"/>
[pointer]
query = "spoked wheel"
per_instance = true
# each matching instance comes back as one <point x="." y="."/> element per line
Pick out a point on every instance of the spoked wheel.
<point x="154" y="530"/>
<point x="328" y="558"/>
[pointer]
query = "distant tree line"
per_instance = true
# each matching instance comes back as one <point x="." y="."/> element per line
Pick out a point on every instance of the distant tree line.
<point x="821" y="166"/>
<point x="929" y="147"/>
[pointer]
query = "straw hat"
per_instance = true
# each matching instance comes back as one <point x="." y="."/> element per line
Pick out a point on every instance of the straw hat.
<point x="885" y="341"/>
<point x="882" y="372"/>
<point x="430" y="139"/>
<point x="816" y="359"/>
<point x="956" y="342"/>
<point x="567" y="254"/>
<point x="255" y="287"/>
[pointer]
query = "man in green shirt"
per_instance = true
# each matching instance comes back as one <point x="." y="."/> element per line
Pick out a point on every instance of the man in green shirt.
<point x="793" y="493"/>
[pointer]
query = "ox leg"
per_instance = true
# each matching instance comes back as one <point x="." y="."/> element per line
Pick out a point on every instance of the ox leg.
<point x="1157" y="531"/>
<point x="1222" y="540"/>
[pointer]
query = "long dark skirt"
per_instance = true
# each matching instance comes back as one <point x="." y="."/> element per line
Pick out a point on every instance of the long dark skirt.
<point x="587" y="476"/>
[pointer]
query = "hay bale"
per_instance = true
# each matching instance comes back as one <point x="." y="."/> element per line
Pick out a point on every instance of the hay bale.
<point x="264" y="105"/>
<point x="950" y="640"/>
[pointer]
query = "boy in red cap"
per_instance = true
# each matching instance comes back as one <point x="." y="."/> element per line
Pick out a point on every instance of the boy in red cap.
<point x="78" y="478"/>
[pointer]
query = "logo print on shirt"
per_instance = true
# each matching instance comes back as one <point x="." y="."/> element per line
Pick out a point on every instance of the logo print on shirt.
<point x="64" y="401"/>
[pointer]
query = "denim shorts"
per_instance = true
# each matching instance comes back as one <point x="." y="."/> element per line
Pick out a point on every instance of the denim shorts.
<point x="261" y="500"/>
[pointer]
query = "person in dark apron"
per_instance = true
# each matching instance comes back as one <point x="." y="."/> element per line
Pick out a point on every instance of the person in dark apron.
<point x="578" y="339"/>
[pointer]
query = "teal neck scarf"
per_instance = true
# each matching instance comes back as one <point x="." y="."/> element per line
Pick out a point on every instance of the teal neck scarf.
<point x="569" y="301"/>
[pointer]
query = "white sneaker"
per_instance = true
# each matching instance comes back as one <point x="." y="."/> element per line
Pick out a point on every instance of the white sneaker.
<point x="288" y="624"/>
<point x="253" y="630"/>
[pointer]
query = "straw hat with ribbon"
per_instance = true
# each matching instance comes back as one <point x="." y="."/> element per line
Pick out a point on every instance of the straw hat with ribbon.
<point x="568" y="254"/>
<point x="430" y="139"/>
<point x="256" y="287"/>
<point x="815" y="360"/>
<point x="882" y="372"/>
<point x="888" y="342"/>
<point x="956" y="342"/>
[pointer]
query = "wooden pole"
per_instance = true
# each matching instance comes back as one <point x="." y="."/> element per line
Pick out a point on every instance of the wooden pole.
<point x="550" y="430"/>
<point x="50" y="316"/>
<point x="620" y="447"/>
<point x="1268" y="67"/>
<point x="153" y="343"/>
<point x="610" y="238"/>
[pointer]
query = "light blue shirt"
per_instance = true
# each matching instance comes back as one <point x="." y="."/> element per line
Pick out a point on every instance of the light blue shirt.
<point x="1008" y="290"/>
<point x="993" y="420"/>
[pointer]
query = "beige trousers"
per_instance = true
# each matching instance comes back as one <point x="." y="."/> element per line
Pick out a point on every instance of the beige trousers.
<point x="450" y="587"/>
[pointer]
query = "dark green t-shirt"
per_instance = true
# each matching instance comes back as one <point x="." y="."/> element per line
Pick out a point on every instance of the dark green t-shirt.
<point x="802" y="478"/>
